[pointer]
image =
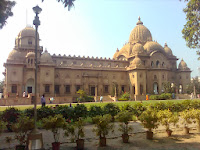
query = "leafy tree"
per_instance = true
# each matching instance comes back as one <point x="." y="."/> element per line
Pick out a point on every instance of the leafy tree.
<point x="168" y="87"/>
<point x="5" y="11"/>
<point x="191" y="30"/>
<point x="194" y="83"/>
<point x="7" y="5"/>
<point x="1" y="86"/>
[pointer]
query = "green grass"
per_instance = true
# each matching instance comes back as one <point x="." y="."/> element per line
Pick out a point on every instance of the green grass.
<point x="119" y="103"/>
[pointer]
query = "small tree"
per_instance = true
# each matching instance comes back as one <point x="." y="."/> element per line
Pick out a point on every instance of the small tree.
<point x="124" y="118"/>
<point x="166" y="118"/>
<point x="187" y="117"/>
<point x="54" y="124"/>
<point x="23" y="126"/>
<point x="102" y="127"/>
<point x="149" y="120"/>
<point x="76" y="130"/>
<point x="82" y="96"/>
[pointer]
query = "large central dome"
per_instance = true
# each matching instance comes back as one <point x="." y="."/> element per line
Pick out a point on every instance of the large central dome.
<point x="140" y="34"/>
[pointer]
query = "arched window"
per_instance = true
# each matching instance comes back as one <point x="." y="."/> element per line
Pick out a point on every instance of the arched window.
<point x="157" y="63"/>
<point x="180" y="89"/>
<point x="163" y="64"/>
<point x="29" y="42"/>
<point x="152" y="64"/>
<point x="155" y="88"/>
<point x="133" y="89"/>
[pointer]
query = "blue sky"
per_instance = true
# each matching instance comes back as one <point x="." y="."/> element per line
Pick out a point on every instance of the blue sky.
<point x="99" y="27"/>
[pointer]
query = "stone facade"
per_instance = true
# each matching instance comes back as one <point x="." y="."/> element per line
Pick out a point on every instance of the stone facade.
<point x="140" y="67"/>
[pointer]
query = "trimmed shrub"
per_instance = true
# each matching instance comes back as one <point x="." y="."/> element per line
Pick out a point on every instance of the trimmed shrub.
<point x="66" y="111"/>
<point x="111" y="109"/>
<point x="10" y="115"/>
<point x="163" y="96"/>
<point x="95" y="111"/>
<point x="44" y="112"/>
<point x="125" y="96"/>
<point x="123" y="99"/>
<point x="138" y="109"/>
<point x="80" y="111"/>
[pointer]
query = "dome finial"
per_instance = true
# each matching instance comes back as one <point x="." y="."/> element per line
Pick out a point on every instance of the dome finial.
<point x="139" y="21"/>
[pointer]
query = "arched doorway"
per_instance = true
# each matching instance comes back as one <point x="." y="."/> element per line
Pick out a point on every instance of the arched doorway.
<point x="30" y="87"/>
<point x="180" y="89"/>
<point x="155" y="88"/>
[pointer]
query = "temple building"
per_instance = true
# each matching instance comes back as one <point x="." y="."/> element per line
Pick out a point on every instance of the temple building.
<point x="140" y="67"/>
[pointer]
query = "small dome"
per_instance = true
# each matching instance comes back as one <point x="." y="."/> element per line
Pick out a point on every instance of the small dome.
<point x="14" y="55"/>
<point x="140" y="33"/>
<point x="153" y="46"/>
<point x="137" y="48"/>
<point x="182" y="65"/>
<point x="46" y="58"/>
<point x="137" y="62"/>
<point x="168" y="50"/>
<point x="27" y="32"/>
<point x="30" y="54"/>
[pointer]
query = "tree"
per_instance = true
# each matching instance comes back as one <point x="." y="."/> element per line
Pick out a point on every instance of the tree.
<point x="7" y="5"/>
<point x="191" y="30"/>
<point x="1" y="86"/>
<point x="5" y="11"/>
<point x="194" y="83"/>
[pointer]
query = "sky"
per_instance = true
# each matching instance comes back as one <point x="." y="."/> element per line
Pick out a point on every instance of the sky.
<point x="98" y="27"/>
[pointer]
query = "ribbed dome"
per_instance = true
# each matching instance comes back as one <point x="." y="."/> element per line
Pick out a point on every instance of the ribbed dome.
<point x="137" y="48"/>
<point x="153" y="46"/>
<point x="46" y="58"/>
<point x="168" y="50"/>
<point x="27" y="32"/>
<point x="182" y="65"/>
<point x="125" y="50"/>
<point x="30" y="54"/>
<point x="14" y="55"/>
<point x="140" y="34"/>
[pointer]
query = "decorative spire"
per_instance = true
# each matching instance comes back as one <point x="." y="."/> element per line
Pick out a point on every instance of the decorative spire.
<point x="139" y="22"/>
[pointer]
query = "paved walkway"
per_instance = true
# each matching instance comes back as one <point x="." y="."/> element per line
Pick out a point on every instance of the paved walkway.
<point x="137" y="140"/>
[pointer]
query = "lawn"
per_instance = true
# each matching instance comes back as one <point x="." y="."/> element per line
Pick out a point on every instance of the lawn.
<point x="120" y="104"/>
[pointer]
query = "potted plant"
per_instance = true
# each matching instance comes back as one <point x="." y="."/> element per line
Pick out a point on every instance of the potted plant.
<point x="124" y="117"/>
<point x="10" y="116"/>
<point x="102" y="127"/>
<point x="166" y="118"/>
<point x="23" y="126"/>
<point x="54" y="124"/>
<point x="76" y="130"/>
<point x="187" y="119"/>
<point x="149" y="120"/>
<point x="196" y="116"/>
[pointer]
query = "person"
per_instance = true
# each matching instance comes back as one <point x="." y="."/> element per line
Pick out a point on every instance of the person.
<point x="101" y="99"/>
<point x="43" y="101"/>
<point x="70" y="105"/>
<point x="51" y="99"/>
<point x="24" y="94"/>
